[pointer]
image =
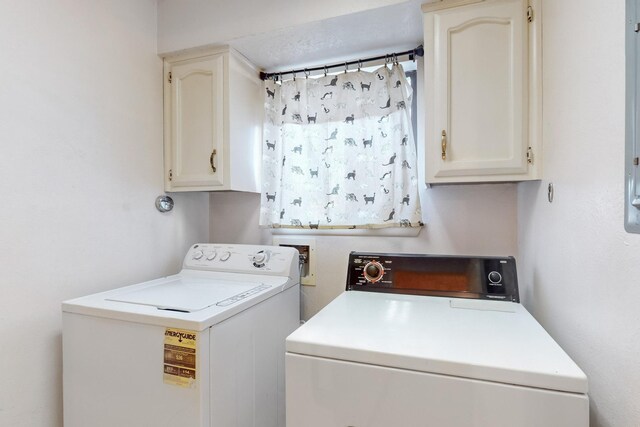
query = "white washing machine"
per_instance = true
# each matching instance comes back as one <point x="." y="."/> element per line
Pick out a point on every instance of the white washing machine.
<point x="421" y="340"/>
<point x="204" y="347"/>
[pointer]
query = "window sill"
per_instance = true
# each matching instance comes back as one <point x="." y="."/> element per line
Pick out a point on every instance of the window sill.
<point x="373" y="232"/>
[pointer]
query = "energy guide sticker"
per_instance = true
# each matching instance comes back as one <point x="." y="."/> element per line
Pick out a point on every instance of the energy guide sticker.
<point x="180" y="357"/>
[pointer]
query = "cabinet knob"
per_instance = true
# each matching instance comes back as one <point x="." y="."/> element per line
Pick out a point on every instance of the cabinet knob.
<point x="443" y="142"/>
<point x="211" y="157"/>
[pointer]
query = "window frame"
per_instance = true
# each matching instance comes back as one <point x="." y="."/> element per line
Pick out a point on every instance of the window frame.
<point x="632" y="143"/>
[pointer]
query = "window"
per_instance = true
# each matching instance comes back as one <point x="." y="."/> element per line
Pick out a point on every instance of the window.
<point x="339" y="152"/>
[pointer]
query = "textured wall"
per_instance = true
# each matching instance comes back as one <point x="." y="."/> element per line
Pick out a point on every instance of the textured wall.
<point x="579" y="268"/>
<point x="81" y="165"/>
<point x="184" y="24"/>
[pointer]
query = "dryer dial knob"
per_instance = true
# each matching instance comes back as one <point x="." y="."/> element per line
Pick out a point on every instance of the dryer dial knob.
<point x="212" y="255"/>
<point x="373" y="271"/>
<point x="197" y="254"/>
<point x="225" y="256"/>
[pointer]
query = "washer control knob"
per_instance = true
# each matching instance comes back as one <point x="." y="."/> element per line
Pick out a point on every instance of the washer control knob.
<point x="197" y="254"/>
<point x="373" y="271"/>
<point x="212" y="255"/>
<point x="259" y="258"/>
<point x="495" y="277"/>
<point x="225" y="256"/>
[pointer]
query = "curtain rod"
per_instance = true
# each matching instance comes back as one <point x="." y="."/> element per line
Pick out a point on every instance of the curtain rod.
<point x="418" y="51"/>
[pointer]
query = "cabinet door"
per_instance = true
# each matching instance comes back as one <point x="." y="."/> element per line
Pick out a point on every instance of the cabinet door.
<point x="196" y="122"/>
<point x="479" y="89"/>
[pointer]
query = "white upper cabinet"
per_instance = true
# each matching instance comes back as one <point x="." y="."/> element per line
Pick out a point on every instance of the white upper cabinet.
<point x="212" y="122"/>
<point x="482" y="72"/>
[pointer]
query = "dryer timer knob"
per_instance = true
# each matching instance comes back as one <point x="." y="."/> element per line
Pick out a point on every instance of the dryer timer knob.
<point x="198" y="254"/>
<point x="373" y="271"/>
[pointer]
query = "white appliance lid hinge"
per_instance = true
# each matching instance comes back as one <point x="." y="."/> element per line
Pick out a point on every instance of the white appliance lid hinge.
<point x="169" y="77"/>
<point x="530" y="14"/>
<point x="170" y="174"/>
<point x="530" y="155"/>
<point x="637" y="30"/>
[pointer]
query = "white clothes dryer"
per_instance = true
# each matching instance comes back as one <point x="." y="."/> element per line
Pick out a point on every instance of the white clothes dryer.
<point x="201" y="348"/>
<point x="423" y="340"/>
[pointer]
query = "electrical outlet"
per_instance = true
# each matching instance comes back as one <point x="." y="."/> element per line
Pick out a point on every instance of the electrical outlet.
<point x="307" y="247"/>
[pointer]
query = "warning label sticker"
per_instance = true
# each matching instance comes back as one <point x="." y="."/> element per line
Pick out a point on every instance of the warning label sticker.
<point x="180" y="357"/>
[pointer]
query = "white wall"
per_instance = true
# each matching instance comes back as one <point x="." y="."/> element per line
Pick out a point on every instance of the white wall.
<point x="579" y="268"/>
<point x="81" y="165"/>
<point x="474" y="219"/>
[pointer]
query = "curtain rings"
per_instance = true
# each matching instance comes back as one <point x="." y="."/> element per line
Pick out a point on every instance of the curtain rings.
<point x="386" y="59"/>
<point x="280" y="77"/>
<point x="306" y="73"/>
<point x="359" y="64"/>
<point x="346" y="67"/>
<point x="294" y="76"/>
<point x="325" y="71"/>
<point x="395" y="59"/>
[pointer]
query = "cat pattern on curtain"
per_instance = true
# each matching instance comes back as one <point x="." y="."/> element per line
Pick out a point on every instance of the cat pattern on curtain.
<point x="339" y="153"/>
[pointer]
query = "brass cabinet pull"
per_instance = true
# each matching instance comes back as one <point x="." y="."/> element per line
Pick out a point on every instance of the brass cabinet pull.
<point x="444" y="145"/>
<point x="213" y="154"/>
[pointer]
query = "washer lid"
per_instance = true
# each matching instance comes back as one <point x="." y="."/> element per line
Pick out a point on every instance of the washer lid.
<point x="189" y="294"/>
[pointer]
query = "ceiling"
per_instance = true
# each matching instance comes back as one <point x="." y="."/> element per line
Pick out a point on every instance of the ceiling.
<point x="343" y="38"/>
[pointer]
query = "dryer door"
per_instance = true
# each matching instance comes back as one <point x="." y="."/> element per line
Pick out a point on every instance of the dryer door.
<point x="327" y="392"/>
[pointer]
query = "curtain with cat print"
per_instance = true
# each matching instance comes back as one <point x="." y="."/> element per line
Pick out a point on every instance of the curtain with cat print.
<point x="338" y="152"/>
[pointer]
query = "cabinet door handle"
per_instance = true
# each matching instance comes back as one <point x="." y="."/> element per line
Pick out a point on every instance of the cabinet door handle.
<point x="211" y="157"/>
<point x="443" y="143"/>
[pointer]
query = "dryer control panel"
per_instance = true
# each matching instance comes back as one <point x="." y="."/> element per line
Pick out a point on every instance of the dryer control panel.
<point x="435" y="275"/>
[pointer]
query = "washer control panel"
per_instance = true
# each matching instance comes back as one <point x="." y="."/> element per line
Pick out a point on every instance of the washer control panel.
<point x="435" y="275"/>
<point x="252" y="259"/>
